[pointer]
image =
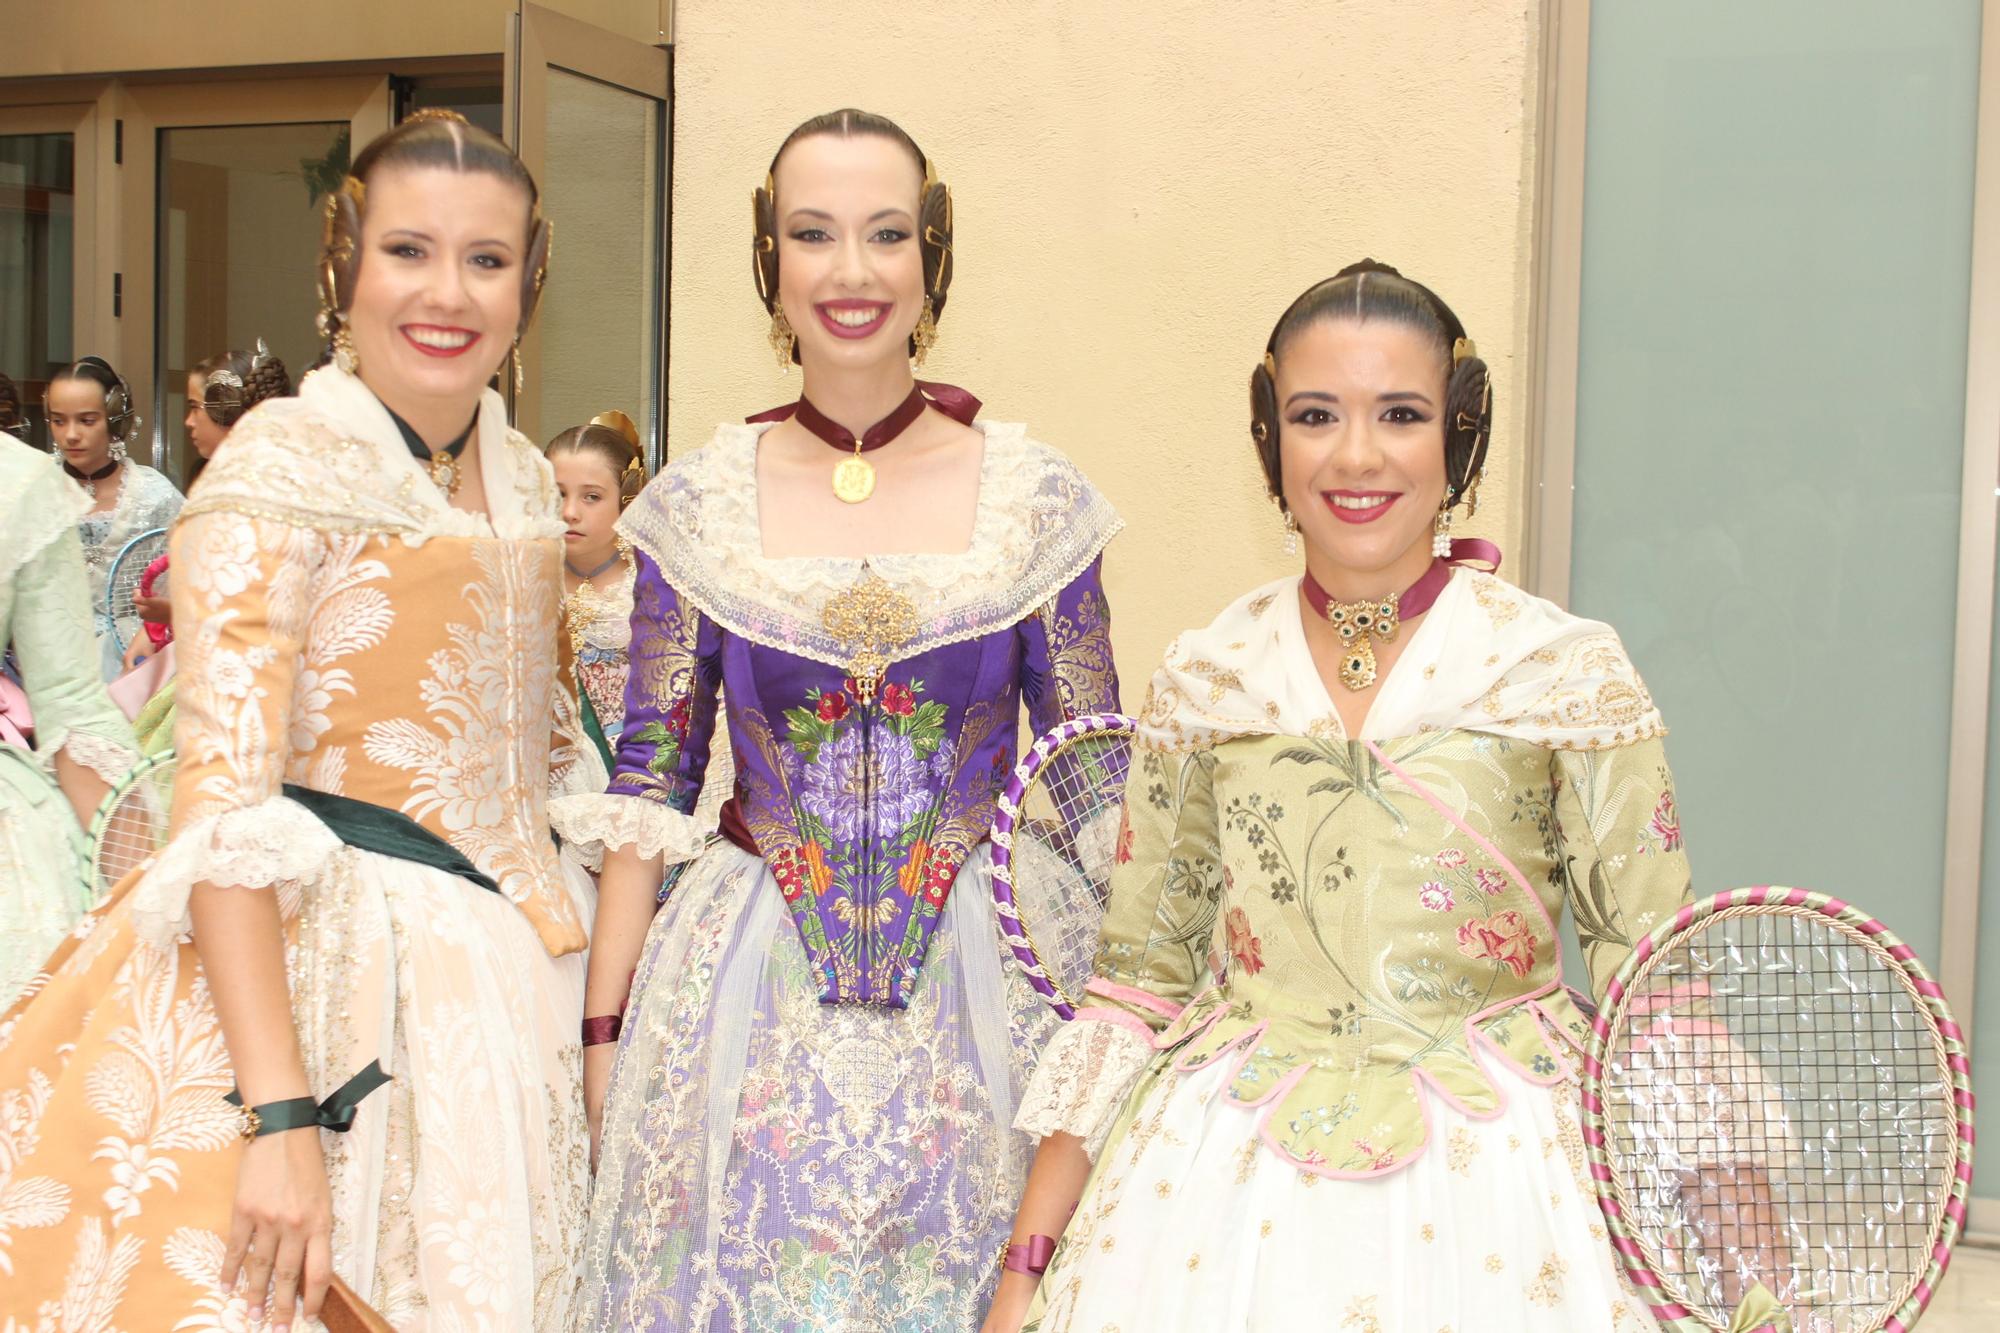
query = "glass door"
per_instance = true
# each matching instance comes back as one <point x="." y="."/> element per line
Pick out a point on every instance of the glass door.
<point x="43" y="289"/>
<point x="1783" y="469"/>
<point x="223" y="186"/>
<point x="587" y="111"/>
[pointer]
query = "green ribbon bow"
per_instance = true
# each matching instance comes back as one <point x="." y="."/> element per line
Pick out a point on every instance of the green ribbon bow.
<point x="1760" y="1313"/>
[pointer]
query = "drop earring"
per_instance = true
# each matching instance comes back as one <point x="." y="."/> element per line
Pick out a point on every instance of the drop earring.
<point x="1441" y="532"/>
<point x="1291" y="534"/>
<point x="924" y="336"/>
<point x="344" y="355"/>
<point x="119" y="453"/>
<point x="520" y="379"/>
<point x="782" y="339"/>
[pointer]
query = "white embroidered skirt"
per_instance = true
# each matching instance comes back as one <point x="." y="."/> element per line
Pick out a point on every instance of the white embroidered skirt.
<point x="771" y="1164"/>
<point x="459" y="1193"/>
<point x="1190" y="1223"/>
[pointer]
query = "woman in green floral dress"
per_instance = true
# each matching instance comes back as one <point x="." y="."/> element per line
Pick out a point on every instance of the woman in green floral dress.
<point x="1328" y="1074"/>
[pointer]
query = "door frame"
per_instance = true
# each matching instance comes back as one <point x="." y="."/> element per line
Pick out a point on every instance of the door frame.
<point x="90" y="281"/>
<point x="537" y="39"/>
<point x="363" y="101"/>
<point x="1552" y="415"/>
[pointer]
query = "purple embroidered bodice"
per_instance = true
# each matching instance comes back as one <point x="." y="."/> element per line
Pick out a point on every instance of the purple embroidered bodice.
<point x="874" y="705"/>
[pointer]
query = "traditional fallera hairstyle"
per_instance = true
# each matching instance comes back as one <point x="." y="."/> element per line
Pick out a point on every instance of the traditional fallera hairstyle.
<point x="1372" y="291"/>
<point x="119" y="415"/>
<point x="933" y="210"/>
<point x="10" y="409"/>
<point x="613" y="437"/>
<point x="235" y="381"/>
<point x="433" y="137"/>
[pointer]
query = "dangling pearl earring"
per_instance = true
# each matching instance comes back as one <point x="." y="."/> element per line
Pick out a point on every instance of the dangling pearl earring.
<point x="1441" y="531"/>
<point x="1291" y="534"/>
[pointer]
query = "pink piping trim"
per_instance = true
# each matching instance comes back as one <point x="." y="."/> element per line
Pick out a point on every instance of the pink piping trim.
<point x="1144" y="999"/>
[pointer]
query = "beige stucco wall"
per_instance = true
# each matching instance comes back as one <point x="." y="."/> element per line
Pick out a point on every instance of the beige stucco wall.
<point x="1140" y="190"/>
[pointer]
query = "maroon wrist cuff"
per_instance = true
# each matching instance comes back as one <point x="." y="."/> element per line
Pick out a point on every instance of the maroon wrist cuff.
<point x="600" y="1031"/>
<point x="1030" y="1256"/>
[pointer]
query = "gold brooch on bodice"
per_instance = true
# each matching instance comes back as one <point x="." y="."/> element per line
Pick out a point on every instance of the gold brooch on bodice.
<point x="870" y="619"/>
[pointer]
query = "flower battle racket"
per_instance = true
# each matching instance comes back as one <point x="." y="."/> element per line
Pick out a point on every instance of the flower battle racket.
<point x="130" y="825"/>
<point x="122" y="582"/>
<point x="1778" y="1115"/>
<point x="1055" y="839"/>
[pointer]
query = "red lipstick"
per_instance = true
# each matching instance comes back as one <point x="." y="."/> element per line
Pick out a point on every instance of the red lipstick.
<point x="1359" y="506"/>
<point x="864" y="317"/>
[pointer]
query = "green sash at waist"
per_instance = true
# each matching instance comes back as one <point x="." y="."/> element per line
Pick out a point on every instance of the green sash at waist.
<point x="375" y="828"/>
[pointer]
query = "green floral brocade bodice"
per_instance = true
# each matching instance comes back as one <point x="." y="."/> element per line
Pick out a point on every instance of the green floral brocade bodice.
<point x="1359" y="927"/>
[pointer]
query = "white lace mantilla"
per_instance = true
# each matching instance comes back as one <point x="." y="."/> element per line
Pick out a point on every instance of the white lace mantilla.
<point x="1086" y="1073"/>
<point x="276" y="843"/>
<point x="1038" y="525"/>
<point x="333" y="459"/>
<point x="593" y="821"/>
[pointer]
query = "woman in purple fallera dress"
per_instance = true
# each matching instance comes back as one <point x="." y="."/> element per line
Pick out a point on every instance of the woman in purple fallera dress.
<point x="806" y="1125"/>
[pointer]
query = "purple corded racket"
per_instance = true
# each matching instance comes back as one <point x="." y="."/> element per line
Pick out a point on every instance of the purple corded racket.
<point x="1055" y="839"/>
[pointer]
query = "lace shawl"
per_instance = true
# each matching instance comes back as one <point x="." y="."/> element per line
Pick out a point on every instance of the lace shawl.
<point x="1038" y="525"/>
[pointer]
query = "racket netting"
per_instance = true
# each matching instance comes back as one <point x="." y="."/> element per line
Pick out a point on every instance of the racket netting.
<point x="131" y="825"/>
<point x="1065" y="842"/>
<point x="1779" y="1108"/>
<point x="123" y="583"/>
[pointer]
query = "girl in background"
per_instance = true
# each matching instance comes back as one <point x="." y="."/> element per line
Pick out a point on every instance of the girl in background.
<point x="93" y="421"/>
<point x="221" y="389"/>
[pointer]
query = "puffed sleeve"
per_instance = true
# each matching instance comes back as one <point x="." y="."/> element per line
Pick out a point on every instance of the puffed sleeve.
<point x="1151" y="955"/>
<point x="242" y="594"/>
<point x="57" y="652"/>
<point x="670" y="715"/>
<point x="1622" y="856"/>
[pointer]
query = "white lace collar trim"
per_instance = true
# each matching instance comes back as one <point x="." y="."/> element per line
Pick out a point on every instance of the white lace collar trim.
<point x="1038" y="524"/>
<point x="1488" y="657"/>
<point x="332" y="457"/>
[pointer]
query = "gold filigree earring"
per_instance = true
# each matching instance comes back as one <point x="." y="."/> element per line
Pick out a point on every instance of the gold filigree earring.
<point x="520" y="377"/>
<point x="924" y="336"/>
<point x="782" y="338"/>
<point x="1291" y="534"/>
<point x="344" y="354"/>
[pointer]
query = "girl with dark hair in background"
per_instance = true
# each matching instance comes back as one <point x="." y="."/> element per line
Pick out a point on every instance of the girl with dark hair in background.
<point x="807" y="1123"/>
<point x="221" y="388"/>
<point x="1329" y="1073"/>
<point x="332" y="1027"/>
<point x="11" y="420"/>
<point x="93" y="421"/>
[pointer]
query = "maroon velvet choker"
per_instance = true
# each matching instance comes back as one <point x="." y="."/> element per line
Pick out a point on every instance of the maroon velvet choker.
<point x="854" y="478"/>
<point x="1360" y="623"/>
<point x="877" y="435"/>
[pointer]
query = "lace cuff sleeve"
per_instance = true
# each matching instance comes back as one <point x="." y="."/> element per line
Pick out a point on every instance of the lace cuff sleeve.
<point x="276" y="843"/>
<point x="109" y="759"/>
<point x="1083" y="1079"/>
<point x="590" y="823"/>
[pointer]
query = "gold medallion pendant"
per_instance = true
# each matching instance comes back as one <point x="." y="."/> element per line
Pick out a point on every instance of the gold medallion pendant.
<point x="444" y="471"/>
<point x="854" y="479"/>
